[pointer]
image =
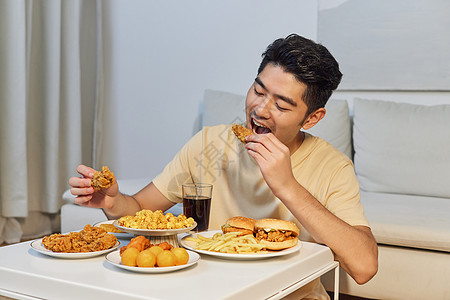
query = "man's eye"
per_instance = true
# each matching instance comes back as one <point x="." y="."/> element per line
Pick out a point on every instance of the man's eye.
<point x="258" y="93"/>
<point x="280" y="108"/>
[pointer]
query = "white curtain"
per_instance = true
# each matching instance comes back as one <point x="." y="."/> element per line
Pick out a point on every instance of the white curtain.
<point x="50" y="74"/>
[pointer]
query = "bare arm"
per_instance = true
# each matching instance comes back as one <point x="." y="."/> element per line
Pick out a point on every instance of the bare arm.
<point x="111" y="200"/>
<point x="354" y="246"/>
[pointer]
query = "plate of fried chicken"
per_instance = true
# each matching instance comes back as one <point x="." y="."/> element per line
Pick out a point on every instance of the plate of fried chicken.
<point x="89" y="242"/>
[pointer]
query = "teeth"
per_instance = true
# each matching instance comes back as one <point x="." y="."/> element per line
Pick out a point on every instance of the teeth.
<point x="258" y="124"/>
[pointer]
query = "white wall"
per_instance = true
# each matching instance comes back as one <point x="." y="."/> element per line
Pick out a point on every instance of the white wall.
<point x="164" y="54"/>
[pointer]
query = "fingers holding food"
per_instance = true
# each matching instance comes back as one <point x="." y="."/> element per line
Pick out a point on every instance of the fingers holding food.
<point x="102" y="179"/>
<point x="241" y="132"/>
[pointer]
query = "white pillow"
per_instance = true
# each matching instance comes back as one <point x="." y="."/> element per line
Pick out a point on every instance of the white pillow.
<point x="226" y="108"/>
<point x="402" y="148"/>
<point x="222" y="108"/>
<point x="335" y="127"/>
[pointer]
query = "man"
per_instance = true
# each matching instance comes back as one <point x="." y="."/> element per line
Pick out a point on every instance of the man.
<point x="281" y="172"/>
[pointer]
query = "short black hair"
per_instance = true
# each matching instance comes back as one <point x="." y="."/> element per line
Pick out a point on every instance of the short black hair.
<point x="310" y="63"/>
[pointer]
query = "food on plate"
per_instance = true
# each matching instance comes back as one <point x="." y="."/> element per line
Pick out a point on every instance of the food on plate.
<point x="232" y="242"/>
<point x="166" y="259"/>
<point x="181" y="256"/>
<point x="147" y="219"/>
<point x="129" y="257"/>
<point x="241" y="225"/>
<point x="89" y="239"/>
<point x="156" y="250"/>
<point x="241" y="132"/>
<point x="110" y="228"/>
<point x="165" y="246"/>
<point x="103" y="179"/>
<point x="146" y="259"/>
<point x="141" y="253"/>
<point x="276" y="234"/>
<point x="140" y="242"/>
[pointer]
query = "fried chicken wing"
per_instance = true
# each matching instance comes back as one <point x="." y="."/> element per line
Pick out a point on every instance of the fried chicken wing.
<point x="140" y="242"/>
<point x="103" y="179"/>
<point x="241" y="132"/>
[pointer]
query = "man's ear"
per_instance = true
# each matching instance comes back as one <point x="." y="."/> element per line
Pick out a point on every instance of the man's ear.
<point x="314" y="118"/>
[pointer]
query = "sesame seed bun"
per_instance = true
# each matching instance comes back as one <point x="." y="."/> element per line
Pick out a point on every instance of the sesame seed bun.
<point x="239" y="224"/>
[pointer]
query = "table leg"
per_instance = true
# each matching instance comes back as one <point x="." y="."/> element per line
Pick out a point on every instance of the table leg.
<point x="336" y="283"/>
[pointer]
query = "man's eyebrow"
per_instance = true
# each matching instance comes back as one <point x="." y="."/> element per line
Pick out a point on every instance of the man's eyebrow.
<point x="284" y="98"/>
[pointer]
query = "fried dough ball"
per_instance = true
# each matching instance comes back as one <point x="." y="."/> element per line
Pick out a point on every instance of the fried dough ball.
<point x="129" y="256"/>
<point x="166" y="259"/>
<point x="181" y="256"/>
<point x="146" y="259"/>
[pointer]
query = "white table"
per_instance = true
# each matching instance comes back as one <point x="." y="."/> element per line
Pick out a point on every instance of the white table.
<point x="27" y="274"/>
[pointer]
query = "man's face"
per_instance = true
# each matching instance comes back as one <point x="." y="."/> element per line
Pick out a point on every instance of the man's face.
<point x="274" y="104"/>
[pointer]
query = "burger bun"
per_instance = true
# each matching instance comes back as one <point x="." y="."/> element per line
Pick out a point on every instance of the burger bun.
<point x="277" y="224"/>
<point x="239" y="224"/>
<point x="279" y="245"/>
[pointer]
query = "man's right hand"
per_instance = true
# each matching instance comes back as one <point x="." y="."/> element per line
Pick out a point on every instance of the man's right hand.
<point x="86" y="195"/>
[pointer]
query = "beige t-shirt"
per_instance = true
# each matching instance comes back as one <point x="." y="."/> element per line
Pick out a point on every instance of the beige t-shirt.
<point x="214" y="155"/>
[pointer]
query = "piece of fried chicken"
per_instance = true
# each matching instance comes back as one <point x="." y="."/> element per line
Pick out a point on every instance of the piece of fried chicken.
<point x="241" y="132"/>
<point x="103" y="179"/>
<point x="89" y="239"/>
<point x="140" y="242"/>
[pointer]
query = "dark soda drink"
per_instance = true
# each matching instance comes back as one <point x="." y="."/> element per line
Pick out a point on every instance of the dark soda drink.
<point x="198" y="207"/>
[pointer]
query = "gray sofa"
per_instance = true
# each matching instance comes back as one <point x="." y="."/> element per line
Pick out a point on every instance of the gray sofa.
<point x="401" y="155"/>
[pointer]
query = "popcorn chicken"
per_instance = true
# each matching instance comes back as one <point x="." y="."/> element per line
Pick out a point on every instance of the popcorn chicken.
<point x="147" y="219"/>
<point x="103" y="179"/>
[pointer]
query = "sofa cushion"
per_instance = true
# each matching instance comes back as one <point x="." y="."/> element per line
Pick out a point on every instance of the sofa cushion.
<point x="226" y="108"/>
<point x="402" y="148"/>
<point x="410" y="221"/>
<point x="335" y="127"/>
<point x="222" y="108"/>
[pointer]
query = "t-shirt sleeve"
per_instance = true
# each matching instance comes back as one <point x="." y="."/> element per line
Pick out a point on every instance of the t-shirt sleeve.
<point x="180" y="170"/>
<point x="344" y="198"/>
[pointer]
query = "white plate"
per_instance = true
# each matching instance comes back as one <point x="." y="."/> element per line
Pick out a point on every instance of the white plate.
<point x="119" y="235"/>
<point x="242" y="256"/>
<point x="37" y="245"/>
<point x="114" y="259"/>
<point x="154" y="232"/>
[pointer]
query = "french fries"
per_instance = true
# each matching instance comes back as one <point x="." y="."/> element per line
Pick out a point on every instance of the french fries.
<point x="230" y="242"/>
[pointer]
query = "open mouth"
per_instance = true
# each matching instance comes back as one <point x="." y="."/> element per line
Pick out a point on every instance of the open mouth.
<point x="259" y="128"/>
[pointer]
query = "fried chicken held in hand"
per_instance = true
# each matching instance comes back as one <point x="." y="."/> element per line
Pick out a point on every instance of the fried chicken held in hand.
<point x="84" y="188"/>
<point x="103" y="179"/>
<point x="241" y="132"/>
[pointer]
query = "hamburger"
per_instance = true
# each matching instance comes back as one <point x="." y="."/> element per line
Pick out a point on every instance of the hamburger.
<point x="239" y="224"/>
<point x="276" y="234"/>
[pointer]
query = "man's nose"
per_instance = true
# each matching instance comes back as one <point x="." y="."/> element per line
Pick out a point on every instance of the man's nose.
<point x="263" y="108"/>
